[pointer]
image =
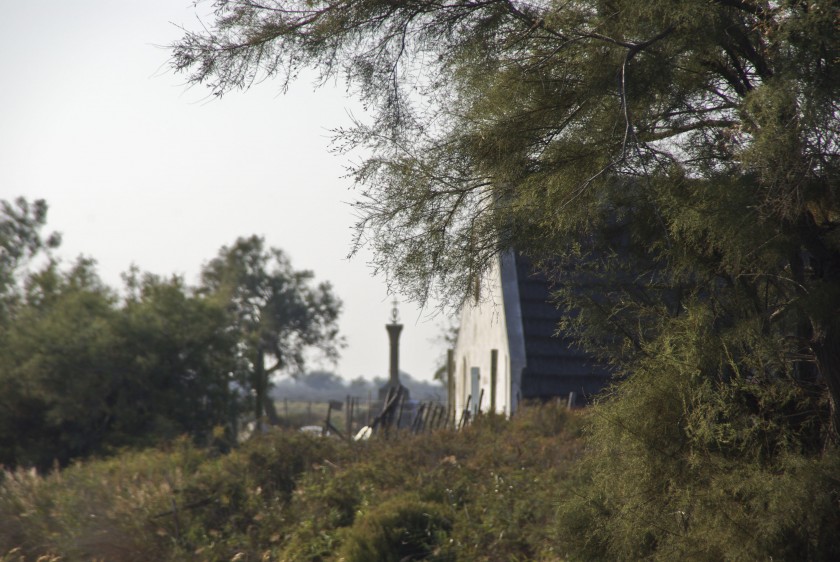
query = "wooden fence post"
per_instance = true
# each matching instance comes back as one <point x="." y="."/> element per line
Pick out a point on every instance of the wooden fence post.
<point x="348" y="416"/>
<point x="400" y="415"/>
<point x="494" y="374"/>
<point x="450" y="379"/>
<point x="466" y="413"/>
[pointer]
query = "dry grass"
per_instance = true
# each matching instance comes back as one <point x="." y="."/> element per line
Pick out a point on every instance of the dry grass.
<point x="289" y="496"/>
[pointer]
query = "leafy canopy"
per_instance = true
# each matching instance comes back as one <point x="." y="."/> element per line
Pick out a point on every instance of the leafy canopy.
<point x="500" y="121"/>
<point x="85" y="371"/>
<point x="673" y="165"/>
<point x="696" y="141"/>
<point x="21" y="240"/>
<point x="276" y="312"/>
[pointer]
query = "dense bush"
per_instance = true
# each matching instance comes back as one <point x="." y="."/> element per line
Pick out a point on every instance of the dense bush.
<point x="484" y="493"/>
<point x="520" y="489"/>
<point x="400" y="529"/>
<point x="101" y="510"/>
<point x="685" y="464"/>
<point x="84" y="374"/>
<point x="88" y="370"/>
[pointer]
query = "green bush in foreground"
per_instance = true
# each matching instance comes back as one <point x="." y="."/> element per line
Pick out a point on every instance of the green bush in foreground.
<point x="173" y="504"/>
<point x="289" y="496"/>
<point x="103" y="510"/>
<point x="400" y="529"/>
<point x="508" y="490"/>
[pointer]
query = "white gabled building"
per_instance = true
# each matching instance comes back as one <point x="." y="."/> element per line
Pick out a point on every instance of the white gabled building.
<point x="507" y="349"/>
<point x="490" y="351"/>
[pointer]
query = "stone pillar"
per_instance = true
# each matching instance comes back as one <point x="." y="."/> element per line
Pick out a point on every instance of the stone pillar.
<point x="394" y="338"/>
<point x="394" y="329"/>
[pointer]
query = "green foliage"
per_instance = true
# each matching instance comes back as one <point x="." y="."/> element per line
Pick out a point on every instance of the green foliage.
<point x="239" y="502"/>
<point x="57" y="361"/>
<point x="169" y="504"/>
<point x="486" y="493"/>
<point x="21" y="241"/>
<point x="401" y="528"/>
<point x="274" y="311"/>
<point x="503" y="122"/>
<point x="673" y="166"/>
<point x="703" y="507"/>
<point x="497" y="485"/>
<point x="521" y="489"/>
<point x="692" y="459"/>
<point x="177" y="355"/>
<point x="85" y="372"/>
<point x="100" y="510"/>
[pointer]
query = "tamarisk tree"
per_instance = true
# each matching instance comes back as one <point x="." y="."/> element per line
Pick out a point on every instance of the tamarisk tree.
<point x="676" y="162"/>
<point x="500" y="122"/>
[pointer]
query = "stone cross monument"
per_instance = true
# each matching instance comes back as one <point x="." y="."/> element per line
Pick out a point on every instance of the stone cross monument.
<point x="394" y="330"/>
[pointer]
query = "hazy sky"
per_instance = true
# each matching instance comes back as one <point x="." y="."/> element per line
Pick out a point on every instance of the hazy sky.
<point x="137" y="169"/>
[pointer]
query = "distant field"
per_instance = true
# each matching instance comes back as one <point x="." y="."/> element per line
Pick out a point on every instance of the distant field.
<point x="298" y="413"/>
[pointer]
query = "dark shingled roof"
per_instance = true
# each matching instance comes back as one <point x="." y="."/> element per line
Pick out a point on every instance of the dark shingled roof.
<point x="554" y="365"/>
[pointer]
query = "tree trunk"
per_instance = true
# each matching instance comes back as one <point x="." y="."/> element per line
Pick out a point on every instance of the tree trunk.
<point x="270" y="410"/>
<point x="827" y="352"/>
<point x="259" y="389"/>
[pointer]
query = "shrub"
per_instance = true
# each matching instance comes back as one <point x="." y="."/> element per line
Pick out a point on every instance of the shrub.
<point x="488" y="492"/>
<point x="102" y="510"/>
<point x="400" y="529"/>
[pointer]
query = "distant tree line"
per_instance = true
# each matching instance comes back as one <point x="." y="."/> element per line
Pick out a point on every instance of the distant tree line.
<point x="87" y="370"/>
<point x="325" y="385"/>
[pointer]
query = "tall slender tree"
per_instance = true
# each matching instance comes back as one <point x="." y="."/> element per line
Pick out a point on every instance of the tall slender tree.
<point x="21" y="239"/>
<point x="277" y="313"/>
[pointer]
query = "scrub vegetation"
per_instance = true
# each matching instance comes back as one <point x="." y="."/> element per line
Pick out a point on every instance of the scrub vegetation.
<point x="489" y="492"/>
<point x="672" y="166"/>
<point x="520" y="489"/>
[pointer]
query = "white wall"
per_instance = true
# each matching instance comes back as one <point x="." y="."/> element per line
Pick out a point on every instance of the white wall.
<point x="492" y="322"/>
